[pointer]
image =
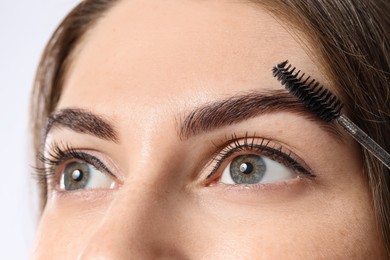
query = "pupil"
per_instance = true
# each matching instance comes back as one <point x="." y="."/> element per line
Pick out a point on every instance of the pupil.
<point x="77" y="175"/>
<point x="246" y="168"/>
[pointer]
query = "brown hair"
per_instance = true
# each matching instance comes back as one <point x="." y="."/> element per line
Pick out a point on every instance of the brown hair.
<point x="52" y="70"/>
<point x="351" y="40"/>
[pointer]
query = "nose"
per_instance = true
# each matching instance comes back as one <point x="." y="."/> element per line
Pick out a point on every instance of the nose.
<point x="141" y="222"/>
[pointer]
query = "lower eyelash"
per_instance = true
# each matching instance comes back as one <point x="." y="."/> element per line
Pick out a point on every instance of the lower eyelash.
<point x="261" y="146"/>
<point x="235" y="144"/>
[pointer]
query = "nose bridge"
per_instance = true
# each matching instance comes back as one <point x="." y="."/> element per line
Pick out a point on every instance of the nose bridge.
<point x="125" y="230"/>
<point x="139" y="222"/>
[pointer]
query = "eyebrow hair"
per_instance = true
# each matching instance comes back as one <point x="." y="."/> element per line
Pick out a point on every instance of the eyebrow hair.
<point x="205" y="118"/>
<point x="245" y="106"/>
<point x="82" y="121"/>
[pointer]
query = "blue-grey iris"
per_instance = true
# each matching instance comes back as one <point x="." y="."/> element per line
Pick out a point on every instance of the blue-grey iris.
<point x="76" y="175"/>
<point x="247" y="169"/>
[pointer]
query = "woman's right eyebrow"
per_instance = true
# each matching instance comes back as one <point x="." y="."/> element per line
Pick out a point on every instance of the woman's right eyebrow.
<point x="82" y="121"/>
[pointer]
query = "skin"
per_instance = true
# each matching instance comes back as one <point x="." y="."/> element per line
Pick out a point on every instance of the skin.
<point x="145" y="65"/>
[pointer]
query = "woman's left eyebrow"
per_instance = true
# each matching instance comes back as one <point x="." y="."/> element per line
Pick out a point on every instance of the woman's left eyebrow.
<point x="244" y="106"/>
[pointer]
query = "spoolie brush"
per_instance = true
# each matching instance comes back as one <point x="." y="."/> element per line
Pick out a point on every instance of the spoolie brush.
<point x="326" y="105"/>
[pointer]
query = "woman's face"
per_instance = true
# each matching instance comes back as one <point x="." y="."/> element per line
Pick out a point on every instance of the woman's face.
<point x="172" y="139"/>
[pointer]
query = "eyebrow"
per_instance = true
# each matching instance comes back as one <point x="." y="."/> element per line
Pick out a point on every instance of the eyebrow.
<point x="82" y="121"/>
<point x="244" y="106"/>
<point x="202" y="119"/>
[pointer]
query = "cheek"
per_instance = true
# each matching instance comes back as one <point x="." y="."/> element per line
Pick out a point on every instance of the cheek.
<point x="326" y="225"/>
<point x="316" y="226"/>
<point x="66" y="227"/>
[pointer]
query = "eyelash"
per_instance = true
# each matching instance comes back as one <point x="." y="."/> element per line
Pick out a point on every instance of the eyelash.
<point x="57" y="155"/>
<point x="260" y="146"/>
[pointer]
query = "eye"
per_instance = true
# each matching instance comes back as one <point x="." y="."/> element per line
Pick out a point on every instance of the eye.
<point x="67" y="168"/>
<point x="255" y="160"/>
<point x="255" y="169"/>
<point x="81" y="175"/>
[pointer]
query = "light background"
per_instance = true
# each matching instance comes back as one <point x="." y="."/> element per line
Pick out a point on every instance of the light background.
<point x="25" y="27"/>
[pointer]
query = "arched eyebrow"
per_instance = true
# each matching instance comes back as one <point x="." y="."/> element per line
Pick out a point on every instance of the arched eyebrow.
<point x="244" y="106"/>
<point x="82" y="121"/>
<point x="202" y="119"/>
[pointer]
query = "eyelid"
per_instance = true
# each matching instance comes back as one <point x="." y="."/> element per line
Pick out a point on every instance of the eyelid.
<point x="57" y="154"/>
<point x="93" y="160"/>
<point x="236" y="145"/>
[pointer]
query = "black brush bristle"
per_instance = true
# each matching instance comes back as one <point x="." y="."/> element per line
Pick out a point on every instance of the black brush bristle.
<point x="315" y="97"/>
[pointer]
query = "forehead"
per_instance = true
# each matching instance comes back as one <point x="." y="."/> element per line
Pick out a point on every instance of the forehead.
<point x="171" y="53"/>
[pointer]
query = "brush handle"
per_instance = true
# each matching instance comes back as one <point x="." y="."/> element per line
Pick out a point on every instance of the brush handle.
<point x="364" y="140"/>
